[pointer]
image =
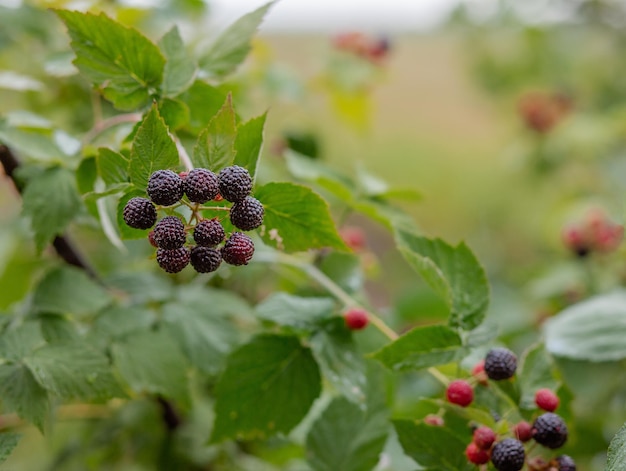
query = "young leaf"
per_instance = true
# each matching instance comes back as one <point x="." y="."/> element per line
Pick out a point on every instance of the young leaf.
<point x="8" y="441"/>
<point x="452" y="272"/>
<point x="296" y="218"/>
<point x="153" y="149"/>
<point x="203" y="101"/>
<point x="180" y="69"/>
<point x="233" y="45"/>
<point x="51" y="200"/>
<point x="592" y="330"/>
<point x="22" y="393"/>
<point x="616" y="458"/>
<point x="537" y="371"/>
<point x="112" y="166"/>
<point x="268" y="387"/>
<point x="420" y="348"/>
<point x="126" y="65"/>
<point x="215" y="148"/>
<point x="348" y="438"/>
<point x="249" y="143"/>
<point x="295" y="312"/>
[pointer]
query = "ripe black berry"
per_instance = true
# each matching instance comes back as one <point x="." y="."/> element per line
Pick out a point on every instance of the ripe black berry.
<point x="201" y="185"/>
<point x="508" y="455"/>
<point x="208" y="233"/>
<point x="565" y="463"/>
<point x="169" y="233"/>
<point x="550" y="430"/>
<point x="235" y="183"/>
<point x="247" y="214"/>
<point x="165" y="187"/>
<point x="500" y="363"/>
<point x="139" y="213"/>
<point x="173" y="261"/>
<point x="238" y="249"/>
<point x="205" y="259"/>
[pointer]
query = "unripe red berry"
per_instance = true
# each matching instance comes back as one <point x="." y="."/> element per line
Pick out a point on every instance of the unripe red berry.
<point x="476" y="455"/>
<point x="546" y="400"/>
<point x="523" y="431"/>
<point x="434" y="420"/>
<point x="460" y="392"/>
<point x="484" y="437"/>
<point x="356" y="318"/>
<point x="478" y="372"/>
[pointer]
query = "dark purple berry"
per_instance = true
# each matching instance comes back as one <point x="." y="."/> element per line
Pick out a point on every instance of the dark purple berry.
<point x="140" y="213"/>
<point x="247" y="214"/>
<point x="235" y="183"/>
<point x="205" y="259"/>
<point x="165" y="187"/>
<point x="565" y="463"/>
<point x="500" y="363"/>
<point x="238" y="249"/>
<point x="550" y="430"/>
<point x="173" y="261"/>
<point x="508" y="455"/>
<point x="201" y="185"/>
<point x="208" y="233"/>
<point x="169" y="233"/>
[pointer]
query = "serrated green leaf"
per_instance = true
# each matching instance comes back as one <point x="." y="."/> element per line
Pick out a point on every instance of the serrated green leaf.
<point x="268" y="387"/>
<point x="175" y="113"/>
<point x="86" y="175"/>
<point x="73" y="371"/>
<point x="112" y="166"/>
<point x="8" y="441"/>
<point x="126" y="65"/>
<point x="152" y="362"/>
<point x="432" y="447"/>
<point x="233" y="45"/>
<point x="68" y="290"/>
<point x="127" y="232"/>
<point x="203" y="101"/>
<point x="180" y="68"/>
<point x="21" y="393"/>
<point x="296" y="218"/>
<point x="57" y="329"/>
<point x="32" y="143"/>
<point x="420" y="348"/>
<point x="215" y="148"/>
<point x="453" y="273"/>
<point x="536" y="371"/>
<point x="249" y="143"/>
<point x="296" y="312"/>
<point x="346" y="437"/>
<point x="119" y="321"/>
<point x="153" y="149"/>
<point x="51" y="200"/>
<point x="592" y="330"/>
<point x="17" y="342"/>
<point x="616" y="458"/>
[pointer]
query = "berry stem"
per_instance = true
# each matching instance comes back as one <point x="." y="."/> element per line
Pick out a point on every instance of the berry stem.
<point x="213" y="208"/>
<point x="100" y="126"/>
<point x="182" y="153"/>
<point x="334" y="289"/>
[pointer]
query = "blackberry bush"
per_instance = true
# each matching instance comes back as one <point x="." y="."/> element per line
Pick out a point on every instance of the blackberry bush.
<point x="208" y="233"/>
<point x="140" y="213"/>
<point x="173" y="261"/>
<point x="169" y="233"/>
<point x="165" y="187"/>
<point x="235" y="183"/>
<point x="247" y="214"/>
<point x="238" y="249"/>
<point x="200" y="185"/>
<point x="205" y="259"/>
<point x="508" y="455"/>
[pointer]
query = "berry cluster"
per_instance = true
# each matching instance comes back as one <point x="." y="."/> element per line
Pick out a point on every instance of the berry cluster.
<point x="506" y="450"/>
<point x="193" y="189"/>
<point x="368" y="48"/>
<point x="595" y="233"/>
<point x="541" y="112"/>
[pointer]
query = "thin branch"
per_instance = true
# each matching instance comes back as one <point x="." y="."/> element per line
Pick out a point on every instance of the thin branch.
<point x="101" y="126"/>
<point x="182" y="152"/>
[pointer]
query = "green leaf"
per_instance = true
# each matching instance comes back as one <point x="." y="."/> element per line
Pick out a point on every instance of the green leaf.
<point x="38" y="144"/>
<point x="112" y="166"/>
<point x="73" y="370"/>
<point x="17" y="342"/>
<point x="296" y="218"/>
<point x="8" y="441"/>
<point x="296" y="312"/>
<point x="249" y="143"/>
<point x="215" y="148"/>
<point x="233" y="45"/>
<point x="180" y="68"/>
<point x="126" y="65"/>
<point x="420" y="348"/>
<point x="86" y="175"/>
<point x="432" y="447"/>
<point x="152" y="362"/>
<point x="616" y="458"/>
<point x="203" y="101"/>
<point x="68" y="290"/>
<point x="175" y="113"/>
<point x="268" y="387"/>
<point x="21" y="393"/>
<point x="57" y="329"/>
<point x="345" y="269"/>
<point x="347" y="438"/>
<point x="119" y="321"/>
<point x="453" y="273"/>
<point x="51" y="200"/>
<point x="537" y="371"/>
<point x="592" y="330"/>
<point x="153" y="149"/>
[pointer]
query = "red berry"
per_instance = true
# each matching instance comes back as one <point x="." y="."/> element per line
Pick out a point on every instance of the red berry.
<point x="434" y="420"/>
<point x="476" y="455"/>
<point x="546" y="400"/>
<point x="356" y="318"/>
<point x="484" y="437"/>
<point x="460" y="392"/>
<point x="354" y="237"/>
<point x="478" y="372"/>
<point x="523" y="431"/>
